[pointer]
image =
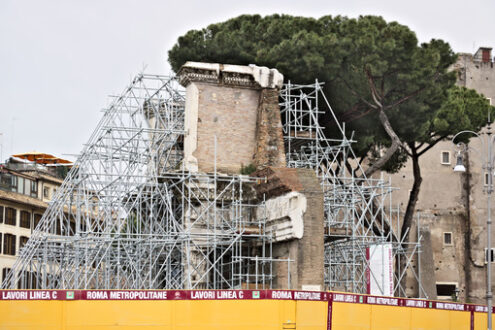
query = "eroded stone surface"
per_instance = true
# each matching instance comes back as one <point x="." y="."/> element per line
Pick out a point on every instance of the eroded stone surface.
<point x="236" y="106"/>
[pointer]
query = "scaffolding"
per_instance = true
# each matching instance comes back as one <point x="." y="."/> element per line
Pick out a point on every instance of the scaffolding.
<point x="359" y="216"/>
<point x="129" y="217"/>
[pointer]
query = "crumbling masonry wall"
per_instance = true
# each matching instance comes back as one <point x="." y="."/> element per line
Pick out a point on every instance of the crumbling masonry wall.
<point x="227" y="113"/>
<point x="233" y="120"/>
<point x="269" y="137"/>
<point x="307" y="253"/>
<point x="237" y="106"/>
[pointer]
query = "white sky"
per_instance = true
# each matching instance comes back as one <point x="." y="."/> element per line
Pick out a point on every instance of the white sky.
<point x="59" y="59"/>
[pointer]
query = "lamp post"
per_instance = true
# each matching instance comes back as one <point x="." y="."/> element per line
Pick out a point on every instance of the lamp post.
<point x="486" y="153"/>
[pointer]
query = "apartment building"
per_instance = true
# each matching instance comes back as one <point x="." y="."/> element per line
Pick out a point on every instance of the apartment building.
<point x="452" y="207"/>
<point x="27" y="184"/>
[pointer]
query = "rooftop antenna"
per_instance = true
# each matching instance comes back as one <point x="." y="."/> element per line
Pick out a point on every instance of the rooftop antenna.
<point x="12" y="126"/>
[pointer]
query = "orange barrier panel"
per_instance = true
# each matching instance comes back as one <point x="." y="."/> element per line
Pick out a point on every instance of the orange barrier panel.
<point x="186" y="314"/>
<point x="37" y="314"/>
<point x="227" y="309"/>
<point x="480" y="321"/>
<point x="362" y="316"/>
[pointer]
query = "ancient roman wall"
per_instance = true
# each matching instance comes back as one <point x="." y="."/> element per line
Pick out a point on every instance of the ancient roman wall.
<point x="238" y="107"/>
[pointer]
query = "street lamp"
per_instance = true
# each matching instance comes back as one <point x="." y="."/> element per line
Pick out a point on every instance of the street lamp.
<point x="486" y="153"/>
<point x="459" y="166"/>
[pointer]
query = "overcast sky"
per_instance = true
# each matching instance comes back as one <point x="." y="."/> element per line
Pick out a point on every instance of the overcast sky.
<point x="59" y="59"/>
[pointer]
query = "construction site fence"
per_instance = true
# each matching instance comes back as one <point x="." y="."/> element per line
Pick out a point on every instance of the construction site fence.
<point x="228" y="309"/>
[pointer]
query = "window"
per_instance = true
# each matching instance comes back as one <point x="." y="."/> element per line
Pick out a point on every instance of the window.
<point x="489" y="100"/>
<point x="492" y="255"/>
<point x="22" y="241"/>
<point x="27" y="187"/>
<point x="447" y="239"/>
<point x="13" y="183"/>
<point x="9" y="244"/>
<point x="5" y="272"/>
<point x="46" y="192"/>
<point x="20" y="185"/>
<point x="37" y="218"/>
<point x="10" y="216"/>
<point x="486" y="180"/>
<point x="446" y="290"/>
<point x="25" y="219"/>
<point x="34" y="189"/>
<point x="1" y="213"/>
<point x="9" y="182"/>
<point x="6" y="181"/>
<point x="27" y="280"/>
<point x="445" y="160"/>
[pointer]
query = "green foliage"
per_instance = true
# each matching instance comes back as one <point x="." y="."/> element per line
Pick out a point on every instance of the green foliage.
<point x="247" y="170"/>
<point x="354" y="57"/>
<point x="464" y="109"/>
<point x="62" y="171"/>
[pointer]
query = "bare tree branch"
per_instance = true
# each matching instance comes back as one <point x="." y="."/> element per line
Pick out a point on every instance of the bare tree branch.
<point x="430" y="145"/>
<point x="357" y="95"/>
<point x="405" y="98"/>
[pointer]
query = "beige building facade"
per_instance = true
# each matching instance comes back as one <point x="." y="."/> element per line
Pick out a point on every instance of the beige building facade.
<point x="25" y="191"/>
<point x="452" y="207"/>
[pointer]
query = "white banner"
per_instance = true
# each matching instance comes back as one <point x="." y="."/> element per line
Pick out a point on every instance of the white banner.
<point x="380" y="270"/>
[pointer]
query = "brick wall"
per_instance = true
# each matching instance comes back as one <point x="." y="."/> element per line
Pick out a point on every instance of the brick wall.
<point x="269" y="137"/>
<point x="230" y="114"/>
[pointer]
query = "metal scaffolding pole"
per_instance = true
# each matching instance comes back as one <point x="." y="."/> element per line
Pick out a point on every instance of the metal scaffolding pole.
<point x="129" y="217"/>
<point x="356" y="214"/>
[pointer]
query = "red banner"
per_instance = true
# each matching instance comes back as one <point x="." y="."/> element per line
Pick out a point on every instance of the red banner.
<point x="329" y="315"/>
<point x="234" y="295"/>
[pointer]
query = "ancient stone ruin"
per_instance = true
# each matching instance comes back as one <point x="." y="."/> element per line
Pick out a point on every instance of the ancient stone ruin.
<point x="225" y="182"/>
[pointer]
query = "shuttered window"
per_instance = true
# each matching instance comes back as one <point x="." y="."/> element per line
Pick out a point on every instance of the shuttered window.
<point x="25" y="219"/>
<point x="37" y="218"/>
<point x="5" y="271"/>
<point x="10" y="216"/>
<point x="9" y="244"/>
<point x="22" y="241"/>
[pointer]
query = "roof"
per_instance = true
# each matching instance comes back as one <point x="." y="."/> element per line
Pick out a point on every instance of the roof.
<point x="42" y="158"/>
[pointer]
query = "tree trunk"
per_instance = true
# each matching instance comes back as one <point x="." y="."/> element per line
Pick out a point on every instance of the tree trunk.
<point x="396" y="143"/>
<point x="408" y="216"/>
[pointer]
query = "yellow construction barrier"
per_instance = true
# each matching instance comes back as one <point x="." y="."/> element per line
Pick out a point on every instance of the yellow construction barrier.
<point x="227" y="309"/>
